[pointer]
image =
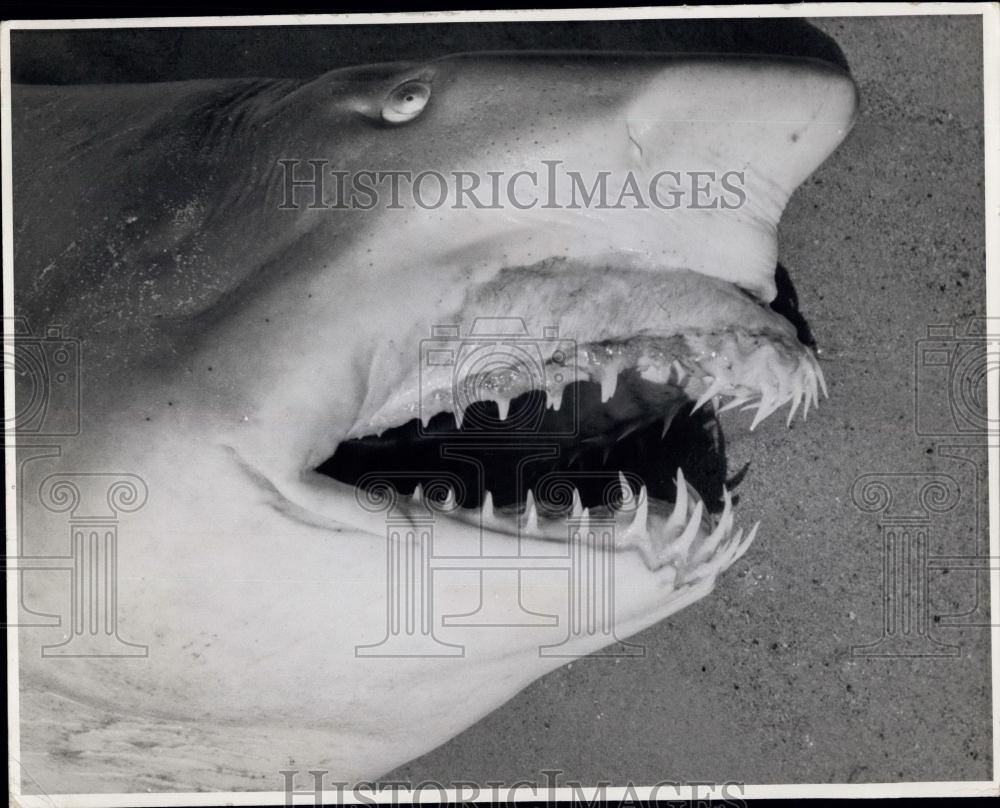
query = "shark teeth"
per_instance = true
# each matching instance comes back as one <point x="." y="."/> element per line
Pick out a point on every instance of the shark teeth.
<point x="683" y="535"/>
<point x="609" y="380"/>
<point x="503" y="407"/>
<point x="764" y="378"/>
<point x="710" y="376"/>
<point x="730" y="369"/>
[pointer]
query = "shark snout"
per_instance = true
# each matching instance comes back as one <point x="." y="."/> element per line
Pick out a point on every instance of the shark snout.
<point x="782" y="116"/>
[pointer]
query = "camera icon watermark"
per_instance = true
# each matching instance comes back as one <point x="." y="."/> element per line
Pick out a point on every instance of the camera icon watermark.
<point x="498" y="360"/>
<point x="46" y="373"/>
<point x="953" y="367"/>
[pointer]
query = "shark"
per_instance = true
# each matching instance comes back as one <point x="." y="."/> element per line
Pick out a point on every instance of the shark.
<point x="260" y="355"/>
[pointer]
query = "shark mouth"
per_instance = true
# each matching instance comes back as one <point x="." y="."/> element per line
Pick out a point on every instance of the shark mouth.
<point x="537" y="436"/>
<point x="662" y="323"/>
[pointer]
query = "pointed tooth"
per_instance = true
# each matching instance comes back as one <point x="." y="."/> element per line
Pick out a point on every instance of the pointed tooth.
<point x="418" y="494"/>
<point x="531" y="524"/>
<point x="679" y="370"/>
<point x="726" y="558"/>
<point x="682" y="491"/>
<point x="630" y="429"/>
<point x="625" y="488"/>
<point x="459" y="415"/>
<point x="712" y="541"/>
<point x="821" y="380"/>
<point x="609" y="383"/>
<point x="638" y="526"/>
<point x="605" y="454"/>
<point x="814" y="378"/>
<point x="744" y="544"/>
<point x="678" y="517"/>
<point x="796" y="400"/>
<point x="503" y="407"/>
<point x="668" y="420"/>
<point x="673" y="408"/>
<point x="585" y="522"/>
<point x="577" y="505"/>
<point x="723" y="528"/>
<point x="713" y="389"/>
<point x="449" y="500"/>
<point x="737" y="546"/>
<point x="487" y="509"/>
<point x="765" y="408"/>
<point x="811" y="386"/>
<point x="554" y="399"/>
<point x="675" y="523"/>
<point x="702" y="400"/>
<point x="686" y="538"/>
<point x="734" y="402"/>
<point x="721" y="532"/>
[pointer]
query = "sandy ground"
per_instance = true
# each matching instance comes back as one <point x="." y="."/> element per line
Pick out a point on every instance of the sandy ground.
<point x="757" y="683"/>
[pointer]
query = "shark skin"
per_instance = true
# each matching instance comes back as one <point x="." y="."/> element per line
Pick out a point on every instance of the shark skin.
<point x="231" y="343"/>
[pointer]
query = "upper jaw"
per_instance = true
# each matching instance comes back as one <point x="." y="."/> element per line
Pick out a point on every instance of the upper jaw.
<point x="548" y="325"/>
<point x="731" y="368"/>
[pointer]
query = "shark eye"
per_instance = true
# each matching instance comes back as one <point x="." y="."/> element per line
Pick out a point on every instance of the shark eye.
<point x="406" y="102"/>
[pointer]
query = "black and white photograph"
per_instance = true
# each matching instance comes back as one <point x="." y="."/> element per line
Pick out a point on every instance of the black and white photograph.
<point x="480" y="405"/>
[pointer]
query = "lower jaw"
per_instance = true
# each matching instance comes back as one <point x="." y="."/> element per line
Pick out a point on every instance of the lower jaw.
<point x="689" y="541"/>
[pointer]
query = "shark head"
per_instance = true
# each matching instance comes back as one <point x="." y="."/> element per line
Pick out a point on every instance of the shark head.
<point x="291" y="361"/>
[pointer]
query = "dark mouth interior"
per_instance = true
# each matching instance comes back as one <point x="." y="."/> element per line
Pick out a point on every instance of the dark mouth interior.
<point x="585" y="443"/>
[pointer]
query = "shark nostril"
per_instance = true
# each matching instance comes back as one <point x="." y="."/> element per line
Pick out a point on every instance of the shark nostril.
<point x="636" y="147"/>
